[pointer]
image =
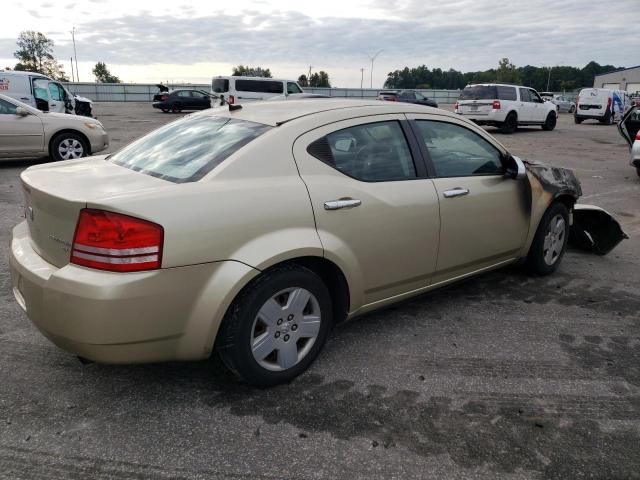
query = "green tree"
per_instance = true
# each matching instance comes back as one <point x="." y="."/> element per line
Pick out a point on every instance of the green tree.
<point x="247" y="71"/>
<point x="103" y="75"/>
<point x="507" y="72"/>
<point x="303" y="81"/>
<point x="320" y="79"/>
<point x="35" y="54"/>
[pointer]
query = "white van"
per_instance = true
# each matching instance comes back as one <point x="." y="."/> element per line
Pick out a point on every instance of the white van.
<point x="247" y="89"/>
<point x="42" y="92"/>
<point x="601" y="104"/>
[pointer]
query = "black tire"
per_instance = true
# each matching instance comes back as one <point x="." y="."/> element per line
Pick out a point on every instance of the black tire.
<point x="165" y="110"/>
<point x="238" y="328"/>
<point x="510" y="123"/>
<point x="540" y="261"/>
<point x="638" y="171"/>
<point x="577" y="120"/>
<point x="572" y="109"/>
<point x="74" y="144"/>
<point x="176" y="107"/>
<point x="550" y="123"/>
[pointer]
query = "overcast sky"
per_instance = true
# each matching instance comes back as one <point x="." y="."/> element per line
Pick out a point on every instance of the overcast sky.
<point x="149" y="41"/>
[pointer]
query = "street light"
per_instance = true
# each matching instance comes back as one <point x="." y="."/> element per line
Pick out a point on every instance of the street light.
<point x="373" y="58"/>
<point x="73" y="37"/>
<point x="361" y="77"/>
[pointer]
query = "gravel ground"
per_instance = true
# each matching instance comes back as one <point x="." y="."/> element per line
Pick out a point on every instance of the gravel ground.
<point x="503" y="376"/>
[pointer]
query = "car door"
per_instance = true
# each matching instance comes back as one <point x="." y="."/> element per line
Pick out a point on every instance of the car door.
<point x="539" y="110"/>
<point x="525" y="114"/>
<point x="19" y="134"/>
<point x="201" y="99"/>
<point x="56" y="98"/>
<point x="376" y="211"/>
<point x="484" y="216"/>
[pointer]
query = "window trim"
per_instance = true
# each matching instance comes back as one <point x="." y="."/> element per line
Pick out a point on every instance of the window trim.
<point x="426" y="156"/>
<point x="412" y="144"/>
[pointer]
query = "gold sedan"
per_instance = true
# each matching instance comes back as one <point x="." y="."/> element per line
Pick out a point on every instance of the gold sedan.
<point x="251" y="230"/>
<point x="27" y="132"/>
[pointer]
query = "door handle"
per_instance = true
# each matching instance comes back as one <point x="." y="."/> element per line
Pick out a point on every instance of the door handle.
<point x="342" y="203"/>
<point x="456" y="192"/>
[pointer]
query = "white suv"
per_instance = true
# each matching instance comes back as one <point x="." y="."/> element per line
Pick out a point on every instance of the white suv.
<point x="505" y="106"/>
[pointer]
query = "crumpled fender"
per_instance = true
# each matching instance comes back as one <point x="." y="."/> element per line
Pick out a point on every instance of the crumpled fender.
<point x="594" y="229"/>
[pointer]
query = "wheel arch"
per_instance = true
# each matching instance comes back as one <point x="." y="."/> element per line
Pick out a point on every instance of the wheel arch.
<point x="69" y="130"/>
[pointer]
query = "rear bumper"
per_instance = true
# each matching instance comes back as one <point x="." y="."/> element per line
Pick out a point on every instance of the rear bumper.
<point x="161" y="105"/>
<point x="160" y="315"/>
<point x="495" y="117"/>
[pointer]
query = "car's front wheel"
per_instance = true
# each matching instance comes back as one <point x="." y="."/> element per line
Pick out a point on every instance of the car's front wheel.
<point x="550" y="240"/>
<point x="550" y="122"/>
<point x="68" y="146"/>
<point x="276" y="326"/>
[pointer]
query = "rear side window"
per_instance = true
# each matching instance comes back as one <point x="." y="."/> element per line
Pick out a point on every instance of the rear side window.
<point x="186" y="150"/>
<point x="259" y="86"/>
<point x="479" y="92"/>
<point x="506" y="93"/>
<point x="220" y="85"/>
<point x="373" y="152"/>
<point x="7" y="108"/>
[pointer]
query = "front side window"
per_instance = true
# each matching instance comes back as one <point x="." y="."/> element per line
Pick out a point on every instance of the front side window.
<point x="525" y="95"/>
<point x="56" y="92"/>
<point x="293" y="88"/>
<point x="186" y="150"/>
<point x="7" y="108"/>
<point x="456" y="151"/>
<point x="535" y="97"/>
<point x="373" y="152"/>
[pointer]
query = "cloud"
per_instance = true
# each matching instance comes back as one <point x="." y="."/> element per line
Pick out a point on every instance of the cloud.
<point x="34" y="13"/>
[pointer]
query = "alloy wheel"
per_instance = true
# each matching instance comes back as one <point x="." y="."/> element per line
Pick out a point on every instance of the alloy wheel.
<point x="554" y="239"/>
<point x="285" y="329"/>
<point x="70" y="148"/>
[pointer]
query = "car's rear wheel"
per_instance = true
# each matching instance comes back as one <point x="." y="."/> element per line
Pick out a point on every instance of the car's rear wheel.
<point x="68" y="146"/>
<point x="165" y="110"/>
<point x="176" y="108"/>
<point x="510" y="123"/>
<point x="572" y="109"/>
<point x="550" y="240"/>
<point x="550" y="122"/>
<point x="276" y="326"/>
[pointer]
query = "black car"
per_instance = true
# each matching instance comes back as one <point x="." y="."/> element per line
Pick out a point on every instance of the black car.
<point x="407" y="96"/>
<point x="182" y="99"/>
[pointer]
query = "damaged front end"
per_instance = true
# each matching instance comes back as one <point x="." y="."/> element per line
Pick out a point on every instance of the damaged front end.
<point x="592" y="228"/>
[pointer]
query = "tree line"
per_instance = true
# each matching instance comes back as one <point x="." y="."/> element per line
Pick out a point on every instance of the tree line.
<point x="562" y="78"/>
<point x="315" y="79"/>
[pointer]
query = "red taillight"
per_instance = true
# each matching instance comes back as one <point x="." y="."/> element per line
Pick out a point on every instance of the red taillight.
<point x="496" y="105"/>
<point x="116" y="242"/>
<point x="638" y="136"/>
<point x="231" y="99"/>
<point x="455" y="106"/>
<point x="164" y="97"/>
<point x="608" y="102"/>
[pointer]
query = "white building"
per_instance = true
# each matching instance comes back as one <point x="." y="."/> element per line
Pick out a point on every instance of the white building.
<point x="626" y="79"/>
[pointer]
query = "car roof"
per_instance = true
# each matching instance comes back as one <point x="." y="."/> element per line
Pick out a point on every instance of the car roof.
<point x="280" y="112"/>
<point x="23" y="73"/>
<point x="263" y="79"/>
<point x="497" y="85"/>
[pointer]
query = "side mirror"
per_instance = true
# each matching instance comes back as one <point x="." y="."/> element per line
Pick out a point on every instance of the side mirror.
<point x="22" y="112"/>
<point x="515" y="168"/>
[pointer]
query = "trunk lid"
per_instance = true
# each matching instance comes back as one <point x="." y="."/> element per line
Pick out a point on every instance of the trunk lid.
<point x="55" y="194"/>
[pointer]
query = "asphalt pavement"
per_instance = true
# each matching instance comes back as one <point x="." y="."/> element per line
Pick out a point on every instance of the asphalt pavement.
<point x="504" y="376"/>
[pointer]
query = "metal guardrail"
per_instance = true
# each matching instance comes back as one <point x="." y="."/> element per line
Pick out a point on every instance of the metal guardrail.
<point x="139" y="92"/>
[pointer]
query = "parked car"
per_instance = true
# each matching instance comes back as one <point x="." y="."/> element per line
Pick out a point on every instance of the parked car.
<point x="408" y="96"/>
<point x="43" y="93"/>
<point x="629" y="128"/>
<point x="252" y="229"/>
<point x="249" y="89"/>
<point x="505" y="106"/>
<point x="28" y="132"/>
<point x="601" y="104"/>
<point x="182" y="99"/>
<point x="562" y="103"/>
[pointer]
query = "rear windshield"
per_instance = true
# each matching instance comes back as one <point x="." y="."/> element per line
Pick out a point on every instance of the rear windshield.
<point x="220" y="85"/>
<point x="479" y="92"/>
<point x="186" y="150"/>
<point x="259" y="86"/>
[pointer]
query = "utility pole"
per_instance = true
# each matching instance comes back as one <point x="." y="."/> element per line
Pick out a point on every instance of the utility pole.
<point x="373" y="58"/>
<point x="309" y="76"/>
<point x="549" y="77"/>
<point x="72" y="77"/>
<point x="361" y="77"/>
<point x="73" y="37"/>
